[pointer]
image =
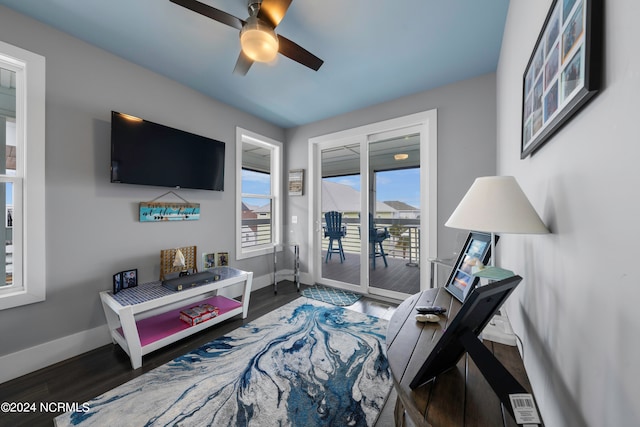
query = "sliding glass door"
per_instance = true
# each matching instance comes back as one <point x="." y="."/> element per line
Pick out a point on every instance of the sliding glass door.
<point x="381" y="187"/>
<point x="394" y="212"/>
<point x="340" y="193"/>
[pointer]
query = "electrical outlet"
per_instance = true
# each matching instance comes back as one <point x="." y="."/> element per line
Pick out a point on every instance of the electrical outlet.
<point x="294" y="219"/>
<point x="499" y="330"/>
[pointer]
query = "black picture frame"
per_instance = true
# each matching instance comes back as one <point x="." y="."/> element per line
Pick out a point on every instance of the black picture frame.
<point x="564" y="71"/>
<point x="117" y="283"/>
<point x="477" y="247"/>
<point x="129" y="278"/>
<point x="475" y="313"/>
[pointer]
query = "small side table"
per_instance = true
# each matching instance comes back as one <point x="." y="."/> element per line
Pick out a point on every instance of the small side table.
<point x="459" y="397"/>
<point x="296" y="265"/>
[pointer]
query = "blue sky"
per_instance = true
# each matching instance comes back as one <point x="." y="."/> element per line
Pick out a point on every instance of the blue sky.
<point x="402" y="185"/>
<point x="255" y="182"/>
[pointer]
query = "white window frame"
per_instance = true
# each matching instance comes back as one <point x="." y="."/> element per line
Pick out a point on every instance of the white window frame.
<point x="29" y="243"/>
<point x="247" y="136"/>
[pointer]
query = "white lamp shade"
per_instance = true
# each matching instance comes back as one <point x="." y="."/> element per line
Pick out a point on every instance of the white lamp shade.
<point x="496" y="204"/>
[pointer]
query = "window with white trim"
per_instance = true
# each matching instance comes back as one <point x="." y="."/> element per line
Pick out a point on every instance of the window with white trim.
<point x="258" y="189"/>
<point x="22" y="136"/>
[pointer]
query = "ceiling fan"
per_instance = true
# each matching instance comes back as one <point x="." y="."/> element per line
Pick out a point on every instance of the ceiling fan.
<point x="258" y="39"/>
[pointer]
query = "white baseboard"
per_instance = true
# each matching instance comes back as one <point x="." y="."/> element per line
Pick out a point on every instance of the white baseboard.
<point x="31" y="359"/>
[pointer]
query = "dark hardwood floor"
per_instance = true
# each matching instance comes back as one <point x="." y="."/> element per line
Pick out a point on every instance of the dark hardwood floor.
<point x="88" y="375"/>
<point x="397" y="276"/>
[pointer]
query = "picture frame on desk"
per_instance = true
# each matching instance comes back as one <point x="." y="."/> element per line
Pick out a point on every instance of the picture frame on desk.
<point x="208" y="260"/>
<point x="223" y="258"/>
<point x="117" y="283"/>
<point x="476" y="250"/>
<point x="129" y="278"/>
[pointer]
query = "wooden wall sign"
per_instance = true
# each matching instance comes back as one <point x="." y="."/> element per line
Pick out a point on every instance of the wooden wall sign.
<point x="169" y="211"/>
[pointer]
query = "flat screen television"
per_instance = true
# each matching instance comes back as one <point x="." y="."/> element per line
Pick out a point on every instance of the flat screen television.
<point x="147" y="153"/>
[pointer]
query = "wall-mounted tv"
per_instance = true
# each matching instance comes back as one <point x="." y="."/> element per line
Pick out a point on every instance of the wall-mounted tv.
<point x="147" y="153"/>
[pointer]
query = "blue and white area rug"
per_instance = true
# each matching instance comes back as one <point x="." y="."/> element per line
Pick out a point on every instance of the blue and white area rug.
<point x="305" y="364"/>
<point x="331" y="295"/>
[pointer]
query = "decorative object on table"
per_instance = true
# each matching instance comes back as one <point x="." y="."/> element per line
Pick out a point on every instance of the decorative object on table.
<point x="341" y="379"/>
<point x="178" y="262"/>
<point x="476" y="251"/>
<point x="198" y="314"/>
<point x="564" y="71"/>
<point x="173" y="211"/>
<point x="125" y="279"/>
<point x="333" y="296"/>
<point x="296" y="182"/>
<point x="208" y="260"/>
<point x="130" y="278"/>
<point x="117" y="283"/>
<point x="223" y="259"/>
<point x="168" y="258"/>
<point x="496" y="204"/>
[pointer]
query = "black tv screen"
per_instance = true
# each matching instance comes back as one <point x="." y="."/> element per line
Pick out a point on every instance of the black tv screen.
<point x="148" y="153"/>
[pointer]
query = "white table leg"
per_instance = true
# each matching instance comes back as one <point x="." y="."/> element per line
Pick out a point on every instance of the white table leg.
<point x="132" y="337"/>
<point x="246" y="294"/>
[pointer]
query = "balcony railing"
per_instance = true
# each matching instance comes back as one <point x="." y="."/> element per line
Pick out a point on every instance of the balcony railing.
<point x="256" y="231"/>
<point x="403" y="241"/>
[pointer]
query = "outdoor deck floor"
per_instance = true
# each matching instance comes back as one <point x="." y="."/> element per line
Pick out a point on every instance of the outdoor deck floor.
<point x="398" y="276"/>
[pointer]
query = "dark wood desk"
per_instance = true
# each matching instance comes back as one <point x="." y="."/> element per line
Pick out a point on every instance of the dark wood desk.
<point x="458" y="397"/>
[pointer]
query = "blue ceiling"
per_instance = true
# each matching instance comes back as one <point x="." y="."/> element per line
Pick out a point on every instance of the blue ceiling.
<point x="374" y="51"/>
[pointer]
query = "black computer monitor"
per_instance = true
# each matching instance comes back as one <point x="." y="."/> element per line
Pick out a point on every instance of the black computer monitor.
<point x="478" y="309"/>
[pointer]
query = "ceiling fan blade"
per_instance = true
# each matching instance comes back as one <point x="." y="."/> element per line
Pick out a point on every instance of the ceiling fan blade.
<point x="211" y="12"/>
<point x="272" y="11"/>
<point x="242" y="64"/>
<point x="298" y="54"/>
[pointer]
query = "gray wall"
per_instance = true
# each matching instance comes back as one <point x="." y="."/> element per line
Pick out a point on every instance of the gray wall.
<point x="92" y="225"/>
<point x="466" y="148"/>
<point x="577" y="308"/>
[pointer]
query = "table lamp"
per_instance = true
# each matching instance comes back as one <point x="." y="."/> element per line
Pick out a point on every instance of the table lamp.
<point x="496" y="204"/>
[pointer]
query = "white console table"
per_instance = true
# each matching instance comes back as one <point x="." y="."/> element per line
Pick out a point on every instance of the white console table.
<point x="147" y="317"/>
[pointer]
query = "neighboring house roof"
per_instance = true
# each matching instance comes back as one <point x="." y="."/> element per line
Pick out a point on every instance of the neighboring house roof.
<point x="262" y="209"/>
<point x="400" y="206"/>
<point x="343" y="198"/>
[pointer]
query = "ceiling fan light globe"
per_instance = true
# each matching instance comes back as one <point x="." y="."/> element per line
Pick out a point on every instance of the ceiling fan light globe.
<point x="258" y="41"/>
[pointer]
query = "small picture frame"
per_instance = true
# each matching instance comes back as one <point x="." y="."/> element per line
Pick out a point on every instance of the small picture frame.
<point x="223" y="258"/>
<point x="208" y="260"/>
<point x="296" y="182"/>
<point x="476" y="249"/>
<point x="129" y="278"/>
<point x="117" y="283"/>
